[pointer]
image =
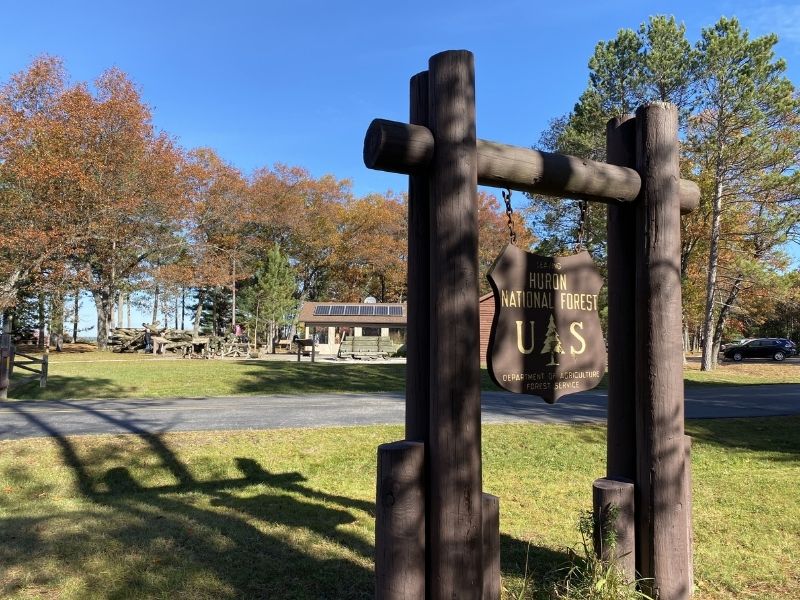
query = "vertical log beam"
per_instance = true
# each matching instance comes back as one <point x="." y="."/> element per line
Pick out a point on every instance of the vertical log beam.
<point x="455" y="439"/>
<point x="418" y="307"/>
<point x="613" y="509"/>
<point x="663" y="553"/>
<point x="621" y="446"/>
<point x="688" y="504"/>
<point x="400" y="522"/>
<point x="491" y="547"/>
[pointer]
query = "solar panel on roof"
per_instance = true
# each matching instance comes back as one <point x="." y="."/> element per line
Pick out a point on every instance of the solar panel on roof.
<point x="366" y="310"/>
<point x="322" y="311"/>
<point x="351" y="310"/>
<point x="382" y="310"/>
<point x="395" y="311"/>
<point x="337" y="310"/>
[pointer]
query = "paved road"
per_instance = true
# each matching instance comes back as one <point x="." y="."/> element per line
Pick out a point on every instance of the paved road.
<point x="21" y="419"/>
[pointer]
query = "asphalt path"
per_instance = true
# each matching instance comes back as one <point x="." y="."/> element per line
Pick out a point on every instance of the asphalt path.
<point x="29" y="418"/>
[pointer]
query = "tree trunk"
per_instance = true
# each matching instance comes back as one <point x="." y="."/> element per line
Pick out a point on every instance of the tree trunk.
<point x="120" y="307"/>
<point x="128" y="308"/>
<point x="255" y="328"/>
<point x="155" y="306"/>
<point x="725" y="310"/>
<point x="201" y="296"/>
<point x="176" y="312"/>
<point x="708" y="360"/>
<point x="75" y="315"/>
<point x="103" y="304"/>
<point x="42" y="329"/>
<point x="233" y="293"/>
<point x="57" y="313"/>
<point x="183" y="308"/>
<point x="214" y="312"/>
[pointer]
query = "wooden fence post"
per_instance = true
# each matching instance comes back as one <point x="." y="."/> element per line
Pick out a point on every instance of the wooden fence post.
<point x="663" y="552"/>
<point x="613" y="507"/>
<point x="455" y="440"/>
<point x="400" y="522"/>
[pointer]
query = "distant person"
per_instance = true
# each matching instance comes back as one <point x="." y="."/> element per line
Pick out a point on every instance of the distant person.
<point x="148" y="339"/>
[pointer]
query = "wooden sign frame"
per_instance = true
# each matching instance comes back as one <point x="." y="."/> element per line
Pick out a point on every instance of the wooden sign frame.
<point x="448" y="545"/>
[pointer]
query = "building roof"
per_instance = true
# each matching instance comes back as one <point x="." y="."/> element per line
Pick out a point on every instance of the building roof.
<point x="353" y="314"/>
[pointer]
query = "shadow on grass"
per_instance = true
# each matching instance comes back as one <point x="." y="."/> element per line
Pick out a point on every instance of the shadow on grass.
<point x="529" y="570"/>
<point x="244" y="545"/>
<point x="775" y="436"/>
<point x="306" y="377"/>
<point x="70" y="386"/>
<point x="256" y="535"/>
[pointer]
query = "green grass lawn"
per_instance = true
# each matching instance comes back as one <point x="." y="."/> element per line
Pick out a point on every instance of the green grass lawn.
<point x="289" y="513"/>
<point x="107" y="375"/>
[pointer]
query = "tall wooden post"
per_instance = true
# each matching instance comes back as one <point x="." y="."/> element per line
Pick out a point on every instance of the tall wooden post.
<point x="454" y="519"/>
<point x="663" y="552"/>
<point x="418" y="307"/>
<point x="621" y="431"/>
<point x="621" y="445"/>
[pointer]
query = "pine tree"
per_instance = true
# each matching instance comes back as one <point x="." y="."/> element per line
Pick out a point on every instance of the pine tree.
<point x="270" y="299"/>
<point x="552" y="342"/>
<point x="746" y="135"/>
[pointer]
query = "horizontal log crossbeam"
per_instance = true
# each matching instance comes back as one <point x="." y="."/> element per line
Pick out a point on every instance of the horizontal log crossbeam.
<point x="408" y="149"/>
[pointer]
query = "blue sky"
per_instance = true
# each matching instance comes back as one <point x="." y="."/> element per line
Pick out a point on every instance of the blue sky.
<point x="298" y="82"/>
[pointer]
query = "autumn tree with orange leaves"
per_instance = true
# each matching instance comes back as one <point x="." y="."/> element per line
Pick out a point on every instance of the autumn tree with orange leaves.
<point x="95" y="198"/>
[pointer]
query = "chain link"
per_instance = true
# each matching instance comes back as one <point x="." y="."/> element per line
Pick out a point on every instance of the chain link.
<point x="512" y="236"/>
<point x="583" y="206"/>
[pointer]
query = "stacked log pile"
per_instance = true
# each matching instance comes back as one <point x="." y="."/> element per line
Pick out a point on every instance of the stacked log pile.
<point x="125" y="339"/>
<point x="178" y="341"/>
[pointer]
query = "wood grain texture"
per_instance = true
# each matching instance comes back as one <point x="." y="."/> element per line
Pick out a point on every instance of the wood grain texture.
<point x="400" y="522"/>
<point x="419" y="314"/>
<point x="663" y="553"/>
<point x="403" y="148"/>
<point x="621" y="445"/>
<point x="398" y="147"/>
<point x="491" y="547"/>
<point x="455" y="439"/>
<point x="613" y="507"/>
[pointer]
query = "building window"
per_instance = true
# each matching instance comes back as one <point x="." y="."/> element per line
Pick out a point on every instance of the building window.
<point x="371" y="331"/>
<point x="397" y="335"/>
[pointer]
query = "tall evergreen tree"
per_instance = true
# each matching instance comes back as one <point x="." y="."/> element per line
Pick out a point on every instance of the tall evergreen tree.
<point x="270" y="301"/>
<point x="746" y="134"/>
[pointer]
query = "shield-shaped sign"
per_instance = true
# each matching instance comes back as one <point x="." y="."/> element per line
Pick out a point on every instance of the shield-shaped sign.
<point x="546" y="338"/>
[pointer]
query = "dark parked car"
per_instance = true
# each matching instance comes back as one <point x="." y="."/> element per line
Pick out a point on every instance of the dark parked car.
<point x="775" y="348"/>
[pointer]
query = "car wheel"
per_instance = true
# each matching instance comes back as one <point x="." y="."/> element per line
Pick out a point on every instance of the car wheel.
<point x="737" y="356"/>
<point x="779" y="356"/>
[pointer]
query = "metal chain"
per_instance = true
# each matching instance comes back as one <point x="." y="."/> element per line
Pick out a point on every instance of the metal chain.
<point x="512" y="236"/>
<point x="583" y="206"/>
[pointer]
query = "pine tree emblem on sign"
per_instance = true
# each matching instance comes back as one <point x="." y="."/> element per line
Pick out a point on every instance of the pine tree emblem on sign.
<point x="546" y="338"/>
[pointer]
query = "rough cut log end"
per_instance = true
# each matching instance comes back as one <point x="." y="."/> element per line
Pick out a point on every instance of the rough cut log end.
<point x="397" y="147"/>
